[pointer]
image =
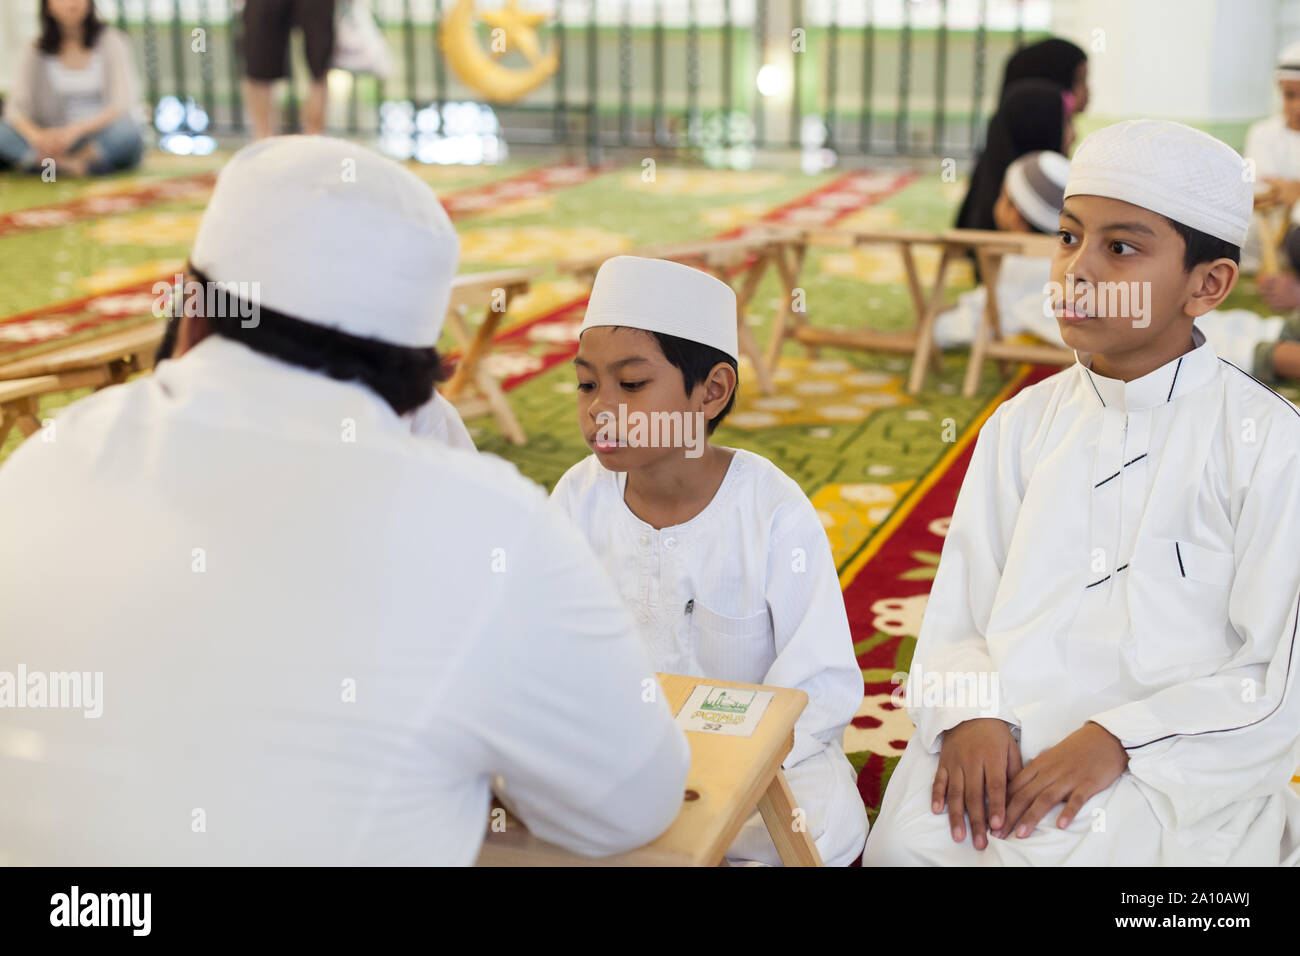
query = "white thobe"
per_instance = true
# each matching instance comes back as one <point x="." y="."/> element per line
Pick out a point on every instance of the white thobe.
<point x="438" y="419"/>
<point x="1123" y="553"/>
<point x="1025" y="307"/>
<point x="322" y="639"/>
<point x="744" y="591"/>
<point x="1274" y="147"/>
<point x="1022" y="291"/>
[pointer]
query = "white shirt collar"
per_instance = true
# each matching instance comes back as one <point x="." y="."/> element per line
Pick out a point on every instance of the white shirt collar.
<point x="1174" y="378"/>
<point x="238" y="383"/>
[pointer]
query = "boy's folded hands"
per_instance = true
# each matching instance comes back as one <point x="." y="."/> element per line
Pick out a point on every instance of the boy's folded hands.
<point x="978" y="758"/>
<point x="1080" y="766"/>
<point x="980" y="776"/>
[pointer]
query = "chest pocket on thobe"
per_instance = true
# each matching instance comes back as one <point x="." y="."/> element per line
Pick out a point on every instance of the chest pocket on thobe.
<point x="732" y="648"/>
<point x="1178" y="604"/>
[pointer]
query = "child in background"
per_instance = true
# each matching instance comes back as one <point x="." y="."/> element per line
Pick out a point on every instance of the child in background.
<point x="718" y="552"/>
<point x="1029" y="201"/>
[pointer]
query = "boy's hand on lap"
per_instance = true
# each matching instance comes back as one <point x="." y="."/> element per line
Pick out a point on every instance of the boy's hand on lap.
<point x="1079" y="767"/>
<point x="978" y="758"/>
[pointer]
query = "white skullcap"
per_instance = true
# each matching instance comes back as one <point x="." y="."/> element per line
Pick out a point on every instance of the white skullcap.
<point x="333" y="234"/>
<point x="1288" y="63"/>
<point x="1170" y="169"/>
<point x="1036" y="187"/>
<point x="662" y="296"/>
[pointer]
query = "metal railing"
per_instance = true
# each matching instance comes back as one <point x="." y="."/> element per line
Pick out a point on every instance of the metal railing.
<point x="881" y="77"/>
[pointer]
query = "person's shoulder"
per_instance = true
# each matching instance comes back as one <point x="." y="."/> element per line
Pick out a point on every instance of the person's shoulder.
<point x="87" y="423"/>
<point x="1031" y="403"/>
<point x="113" y="42"/>
<point x="484" y="476"/>
<point x="582" y="478"/>
<point x="759" y="475"/>
<point x="1268" y="417"/>
<point x="1266" y="125"/>
<point x="114" y="36"/>
<point x="762" y="484"/>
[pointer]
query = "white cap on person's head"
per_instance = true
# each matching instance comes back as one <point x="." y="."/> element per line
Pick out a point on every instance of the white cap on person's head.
<point x="1171" y="169"/>
<point x="331" y="233"/>
<point x="658" y="295"/>
<point x="1288" y="62"/>
<point x="1035" y="184"/>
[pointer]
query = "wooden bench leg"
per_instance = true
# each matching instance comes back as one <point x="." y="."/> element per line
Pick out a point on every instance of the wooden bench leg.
<point x="7" y="421"/>
<point x="23" y="414"/>
<point x="925" y="346"/>
<point x="990" y="326"/>
<point x="788" y="322"/>
<point x="796" y="847"/>
<point x="470" y="368"/>
<point x="467" y="367"/>
<point x="744" y="334"/>
<point x="501" y="410"/>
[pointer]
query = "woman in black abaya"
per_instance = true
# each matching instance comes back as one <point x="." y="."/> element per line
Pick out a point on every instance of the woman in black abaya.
<point x="1033" y="116"/>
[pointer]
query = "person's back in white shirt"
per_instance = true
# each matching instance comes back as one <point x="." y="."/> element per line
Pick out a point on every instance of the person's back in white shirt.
<point x="320" y="637"/>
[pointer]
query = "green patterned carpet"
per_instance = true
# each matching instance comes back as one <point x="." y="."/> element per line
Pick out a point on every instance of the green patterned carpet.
<point x="840" y="424"/>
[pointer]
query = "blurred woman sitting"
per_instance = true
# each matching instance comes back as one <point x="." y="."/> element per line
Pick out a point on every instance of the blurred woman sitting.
<point x="73" y="97"/>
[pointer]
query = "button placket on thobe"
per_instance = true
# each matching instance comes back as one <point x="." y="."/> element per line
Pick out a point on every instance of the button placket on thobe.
<point x="1092" y="650"/>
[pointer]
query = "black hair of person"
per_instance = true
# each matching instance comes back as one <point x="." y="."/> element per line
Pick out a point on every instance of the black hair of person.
<point x="1031" y="118"/>
<point x="1052" y="59"/>
<point x="1201" y="247"/>
<point x="403" y="377"/>
<point x="51" y="39"/>
<point x="696" y="360"/>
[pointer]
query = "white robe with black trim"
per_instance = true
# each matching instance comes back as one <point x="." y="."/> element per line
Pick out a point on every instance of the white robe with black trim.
<point x="1123" y="553"/>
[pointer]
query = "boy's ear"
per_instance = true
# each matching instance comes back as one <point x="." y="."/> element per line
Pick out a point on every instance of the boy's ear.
<point x="719" y="385"/>
<point x="1211" y="282"/>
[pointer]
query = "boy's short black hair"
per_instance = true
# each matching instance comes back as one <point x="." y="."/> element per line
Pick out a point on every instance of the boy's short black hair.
<point x="403" y="377"/>
<point x="696" y="360"/>
<point x="1199" y="247"/>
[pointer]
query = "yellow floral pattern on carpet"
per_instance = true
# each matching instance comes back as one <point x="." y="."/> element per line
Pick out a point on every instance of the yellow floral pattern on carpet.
<point x="815" y="391"/>
<point x="521" y="245"/>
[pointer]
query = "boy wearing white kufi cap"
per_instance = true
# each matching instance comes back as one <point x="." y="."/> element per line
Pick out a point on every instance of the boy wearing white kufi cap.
<point x="719" y="553"/>
<point x="1121" y="560"/>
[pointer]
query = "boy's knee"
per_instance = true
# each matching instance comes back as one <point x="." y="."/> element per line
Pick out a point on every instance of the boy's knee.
<point x="884" y="846"/>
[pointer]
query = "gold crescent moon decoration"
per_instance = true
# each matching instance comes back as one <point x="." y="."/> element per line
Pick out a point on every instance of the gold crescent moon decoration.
<point x="498" y="83"/>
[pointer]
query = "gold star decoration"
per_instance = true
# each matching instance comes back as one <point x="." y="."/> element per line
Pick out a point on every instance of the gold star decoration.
<point x="520" y="28"/>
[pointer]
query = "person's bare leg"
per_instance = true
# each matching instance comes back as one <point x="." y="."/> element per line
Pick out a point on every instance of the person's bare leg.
<point x="313" y="114"/>
<point x="1286" y="360"/>
<point x="257" y="94"/>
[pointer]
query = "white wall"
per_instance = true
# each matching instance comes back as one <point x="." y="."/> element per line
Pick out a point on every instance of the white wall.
<point x="17" y="27"/>
<point x="1199" y="61"/>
